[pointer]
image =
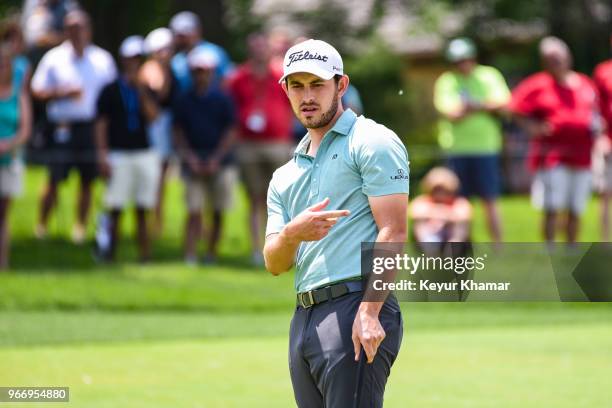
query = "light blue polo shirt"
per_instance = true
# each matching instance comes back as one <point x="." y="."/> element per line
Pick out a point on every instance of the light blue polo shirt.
<point x="357" y="158"/>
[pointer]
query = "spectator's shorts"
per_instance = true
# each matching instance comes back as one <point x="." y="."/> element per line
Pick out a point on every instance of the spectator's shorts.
<point x="217" y="189"/>
<point x="134" y="178"/>
<point x="602" y="171"/>
<point x="11" y="179"/>
<point x="258" y="161"/>
<point x="70" y="147"/>
<point x="561" y="188"/>
<point x="478" y="174"/>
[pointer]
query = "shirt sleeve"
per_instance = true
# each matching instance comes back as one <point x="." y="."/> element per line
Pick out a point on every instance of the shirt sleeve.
<point x="498" y="89"/>
<point x="382" y="161"/>
<point x="104" y="103"/>
<point x="524" y="98"/>
<point x="446" y="97"/>
<point x="111" y="70"/>
<point x="43" y="79"/>
<point x="277" y="216"/>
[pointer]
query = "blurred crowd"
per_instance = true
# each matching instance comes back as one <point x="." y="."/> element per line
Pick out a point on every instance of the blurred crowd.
<point x="170" y="97"/>
<point x="567" y="117"/>
<point x="174" y="97"/>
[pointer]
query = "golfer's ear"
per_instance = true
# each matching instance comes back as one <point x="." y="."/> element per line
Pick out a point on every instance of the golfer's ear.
<point x="343" y="85"/>
<point x="284" y="85"/>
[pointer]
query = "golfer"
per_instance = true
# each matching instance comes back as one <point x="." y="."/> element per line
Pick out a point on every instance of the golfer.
<point x="346" y="183"/>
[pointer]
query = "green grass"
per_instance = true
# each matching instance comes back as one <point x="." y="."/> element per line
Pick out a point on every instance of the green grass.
<point x="540" y="365"/>
<point x="164" y="334"/>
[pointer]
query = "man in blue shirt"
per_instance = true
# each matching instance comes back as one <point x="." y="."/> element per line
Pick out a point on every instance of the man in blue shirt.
<point x="346" y="184"/>
<point x="204" y="130"/>
<point x="187" y="31"/>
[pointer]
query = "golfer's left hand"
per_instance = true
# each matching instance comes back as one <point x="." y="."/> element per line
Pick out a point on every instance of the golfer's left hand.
<point x="367" y="333"/>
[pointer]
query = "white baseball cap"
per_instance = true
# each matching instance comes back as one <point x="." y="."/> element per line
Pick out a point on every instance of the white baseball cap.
<point x="185" y="22"/>
<point x="315" y="57"/>
<point x="132" y="46"/>
<point x="202" y="58"/>
<point x="158" y="39"/>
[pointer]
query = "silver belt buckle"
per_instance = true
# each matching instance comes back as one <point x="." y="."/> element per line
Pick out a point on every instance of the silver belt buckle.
<point x="310" y="298"/>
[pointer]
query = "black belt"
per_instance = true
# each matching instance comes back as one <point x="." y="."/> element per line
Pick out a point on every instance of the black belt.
<point x="323" y="294"/>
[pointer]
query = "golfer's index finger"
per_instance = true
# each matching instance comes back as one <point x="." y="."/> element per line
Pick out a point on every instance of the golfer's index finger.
<point x="332" y="214"/>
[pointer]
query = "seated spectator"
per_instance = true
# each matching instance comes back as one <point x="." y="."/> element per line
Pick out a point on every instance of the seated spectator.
<point x="204" y="130"/>
<point x="15" y="126"/>
<point x="126" y="159"/>
<point x="442" y="222"/>
<point x="439" y="214"/>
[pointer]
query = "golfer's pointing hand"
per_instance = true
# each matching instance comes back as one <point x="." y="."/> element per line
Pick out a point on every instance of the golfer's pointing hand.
<point x="314" y="223"/>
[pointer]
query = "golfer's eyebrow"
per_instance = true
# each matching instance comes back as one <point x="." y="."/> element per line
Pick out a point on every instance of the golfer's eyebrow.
<point x="315" y="81"/>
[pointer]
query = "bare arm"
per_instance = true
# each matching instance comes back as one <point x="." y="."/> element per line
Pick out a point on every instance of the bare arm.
<point x="311" y="225"/>
<point x="101" y="140"/>
<point x="185" y="151"/>
<point x="533" y="127"/>
<point x="25" y="119"/>
<point x="389" y="212"/>
<point x="149" y="105"/>
<point x="228" y="141"/>
<point x="53" y="94"/>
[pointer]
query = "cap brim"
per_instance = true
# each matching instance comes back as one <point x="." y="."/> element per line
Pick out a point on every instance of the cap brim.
<point x="321" y="73"/>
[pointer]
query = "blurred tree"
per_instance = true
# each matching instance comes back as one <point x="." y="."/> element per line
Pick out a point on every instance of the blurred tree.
<point x="578" y="22"/>
<point x="113" y="20"/>
<point x="9" y="6"/>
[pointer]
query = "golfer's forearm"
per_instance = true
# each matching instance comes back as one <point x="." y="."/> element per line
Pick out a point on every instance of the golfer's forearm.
<point x="373" y="300"/>
<point x="279" y="253"/>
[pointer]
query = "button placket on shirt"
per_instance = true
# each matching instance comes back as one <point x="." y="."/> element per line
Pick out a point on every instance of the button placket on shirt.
<point x="315" y="180"/>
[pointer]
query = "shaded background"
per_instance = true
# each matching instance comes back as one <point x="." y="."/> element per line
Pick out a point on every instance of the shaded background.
<point x="393" y="48"/>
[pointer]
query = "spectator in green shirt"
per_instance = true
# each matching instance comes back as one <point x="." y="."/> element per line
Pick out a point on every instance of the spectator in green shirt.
<point x="469" y="97"/>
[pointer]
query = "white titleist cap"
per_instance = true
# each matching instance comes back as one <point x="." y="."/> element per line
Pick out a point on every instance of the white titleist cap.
<point x="133" y="46"/>
<point x="158" y="39"/>
<point x="315" y="57"/>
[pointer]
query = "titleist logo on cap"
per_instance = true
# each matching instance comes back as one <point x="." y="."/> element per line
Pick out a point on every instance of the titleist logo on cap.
<point x="301" y="55"/>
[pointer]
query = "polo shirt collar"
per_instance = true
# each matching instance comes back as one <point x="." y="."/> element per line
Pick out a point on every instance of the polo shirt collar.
<point x="342" y="127"/>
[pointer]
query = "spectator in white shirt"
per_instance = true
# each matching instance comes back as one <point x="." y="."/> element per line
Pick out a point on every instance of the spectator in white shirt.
<point x="69" y="79"/>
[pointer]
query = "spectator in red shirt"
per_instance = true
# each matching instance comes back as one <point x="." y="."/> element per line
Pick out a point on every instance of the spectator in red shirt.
<point x="265" y="120"/>
<point x="558" y="108"/>
<point x="603" y="157"/>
